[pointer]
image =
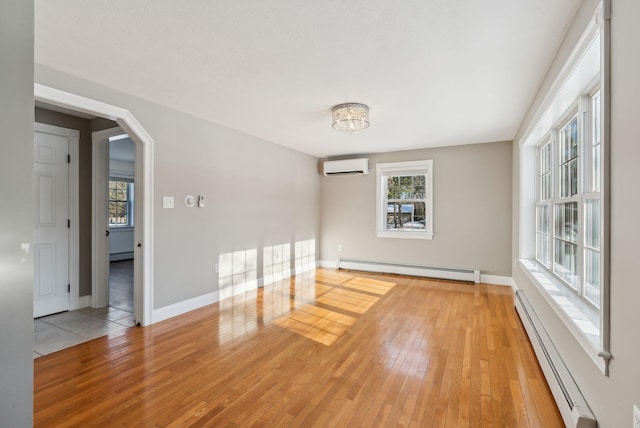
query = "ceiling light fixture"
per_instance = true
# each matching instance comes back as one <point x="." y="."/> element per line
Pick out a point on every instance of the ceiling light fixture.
<point x="350" y="117"/>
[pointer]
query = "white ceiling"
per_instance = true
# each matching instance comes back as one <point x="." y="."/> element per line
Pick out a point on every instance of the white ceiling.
<point x="434" y="72"/>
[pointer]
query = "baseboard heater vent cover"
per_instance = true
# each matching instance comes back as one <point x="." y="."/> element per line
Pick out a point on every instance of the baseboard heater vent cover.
<point x="471" y="275"/>
<point x="572" y="405"/>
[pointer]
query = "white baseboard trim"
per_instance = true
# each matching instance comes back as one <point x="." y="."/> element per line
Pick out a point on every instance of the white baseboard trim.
<point x="496" y="280"/>
<point x="188" y="305"/>
<point x="84" y="301"/>
<point x="276" y="277"/>
<point x="115" y="257"/>
<point x="234" y="290"/>
<point x="185" y="306"/>
<point x="331" y="264"/>
<point x="485" y="279"/>
<point x="305" y="268"/>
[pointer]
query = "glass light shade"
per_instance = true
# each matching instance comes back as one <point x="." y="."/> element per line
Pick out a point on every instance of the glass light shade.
<point x="350" y="117"/>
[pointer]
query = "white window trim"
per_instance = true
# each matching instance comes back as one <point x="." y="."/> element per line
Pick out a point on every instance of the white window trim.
<point x="555" y="100"/>
<point x="425" y="166"/>
<point x="130" y="203"/>
<point x="575" y="313"/>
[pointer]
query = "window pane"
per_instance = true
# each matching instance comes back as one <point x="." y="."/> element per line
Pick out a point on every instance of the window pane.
<point x="406" y="187"/>
<point x="406" y="216"/>
<point x="569" y="141"/>
<point x="566" y="222"/>
<point x="592" y="276"/>
<point x="569" y="179"/>
<point x="545" y="159"/>
<point x="592" y="223"/>
<point x="595" y="173"/>
<point x="568" y="159"/>
<point x="418" y="192"/>
<point x="566" y="262"/>
<point x="393" y="216"/>
<point x="543" y="238"/>
<point x="596" y="138"/>
<point x="545" y="187"/>
<point x="542" y="219"/>
<point x="545" y="172"/>
<point x="543" y="249"/>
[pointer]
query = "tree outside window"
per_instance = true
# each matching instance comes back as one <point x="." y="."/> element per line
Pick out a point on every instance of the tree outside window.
<point x="120" y="203"/>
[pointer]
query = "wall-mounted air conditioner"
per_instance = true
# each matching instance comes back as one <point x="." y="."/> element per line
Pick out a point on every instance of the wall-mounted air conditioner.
<point x="346" y="166"/>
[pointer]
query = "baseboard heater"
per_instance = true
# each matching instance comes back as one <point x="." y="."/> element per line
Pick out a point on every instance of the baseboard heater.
<point x="471" y="275"/>
<point x="124" y="255"/>
<point x="572" y="405"/>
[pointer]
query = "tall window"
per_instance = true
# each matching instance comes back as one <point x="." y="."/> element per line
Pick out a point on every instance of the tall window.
<point x="543" y="207"/>
<point x="592" y="218"/>
<point x="405" y="205"/>
<point x="568" y="201"/>
<point x="120" y="203"/>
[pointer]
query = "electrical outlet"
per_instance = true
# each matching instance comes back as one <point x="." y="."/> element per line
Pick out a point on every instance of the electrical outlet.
<point x="636" y="417"/>
<point x="216" y="267"/>
<point x="167" y="202"/>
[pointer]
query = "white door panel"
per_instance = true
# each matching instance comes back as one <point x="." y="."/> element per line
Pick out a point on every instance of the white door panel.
<point x="51" y="240"/>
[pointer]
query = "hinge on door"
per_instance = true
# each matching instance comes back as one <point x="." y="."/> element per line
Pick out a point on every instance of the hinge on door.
<point x="68" y="288"/>
<point x="68" y="223"/>
<point x="68" y="158"/>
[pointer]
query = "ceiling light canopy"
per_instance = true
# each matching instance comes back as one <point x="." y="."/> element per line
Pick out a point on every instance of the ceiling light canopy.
<point x="350" y="117"/>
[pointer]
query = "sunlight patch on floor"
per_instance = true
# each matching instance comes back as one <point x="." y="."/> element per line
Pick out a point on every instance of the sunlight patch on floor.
<point x="354" y="295"/>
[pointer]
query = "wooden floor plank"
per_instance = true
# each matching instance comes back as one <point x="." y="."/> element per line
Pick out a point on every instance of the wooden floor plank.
<point x="324" y="349"/>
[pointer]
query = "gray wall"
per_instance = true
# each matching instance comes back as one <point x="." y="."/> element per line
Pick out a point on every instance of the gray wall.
<point x="611" y="398"/>
<point x="472" y="203"/>
<point x="257" y="193"/>
<point x="85" y="127"/>
<point x="16" y="213"/>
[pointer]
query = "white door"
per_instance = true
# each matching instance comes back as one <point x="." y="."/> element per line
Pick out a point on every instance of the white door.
<point x="51" y="240"/>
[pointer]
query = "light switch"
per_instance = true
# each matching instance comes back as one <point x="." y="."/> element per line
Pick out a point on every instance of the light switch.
<point x="167" y="202"/>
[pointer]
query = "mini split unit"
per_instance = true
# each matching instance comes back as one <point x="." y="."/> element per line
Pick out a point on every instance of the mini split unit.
<point x="346" y="166"/>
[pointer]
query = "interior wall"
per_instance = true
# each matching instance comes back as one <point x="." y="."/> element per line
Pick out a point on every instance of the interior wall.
<point x="610" y="398"/>
<point x="16" y="214"/>
<point x="85" y="127"/>
<point x="257" y="194"/>
<point x="472" y="203"/>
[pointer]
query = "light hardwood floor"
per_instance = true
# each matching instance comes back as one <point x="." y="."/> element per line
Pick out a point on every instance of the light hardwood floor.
<point x="325" y="349"/>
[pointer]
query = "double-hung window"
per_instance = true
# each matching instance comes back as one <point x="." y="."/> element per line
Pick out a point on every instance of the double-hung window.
<point x="568" y="205"/>
<point x="405" y="199"/>
<point x="563" y="195"/>
<point x="120" y="203"/>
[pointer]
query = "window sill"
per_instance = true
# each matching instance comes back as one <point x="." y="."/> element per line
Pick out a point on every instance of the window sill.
<point x="582" y="321"/>
<point x="404" y="235"/>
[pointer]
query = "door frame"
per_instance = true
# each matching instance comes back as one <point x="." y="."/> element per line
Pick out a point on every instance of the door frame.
<point x="74" y="203"/>
<point x="99" y="220"/>
<point x="143" y="277"/>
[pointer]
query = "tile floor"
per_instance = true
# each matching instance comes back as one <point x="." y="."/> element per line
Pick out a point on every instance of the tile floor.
<point x="59" y="331"/>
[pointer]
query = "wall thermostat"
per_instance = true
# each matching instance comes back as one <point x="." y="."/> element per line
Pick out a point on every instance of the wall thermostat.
<point x="190" y="201"/>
